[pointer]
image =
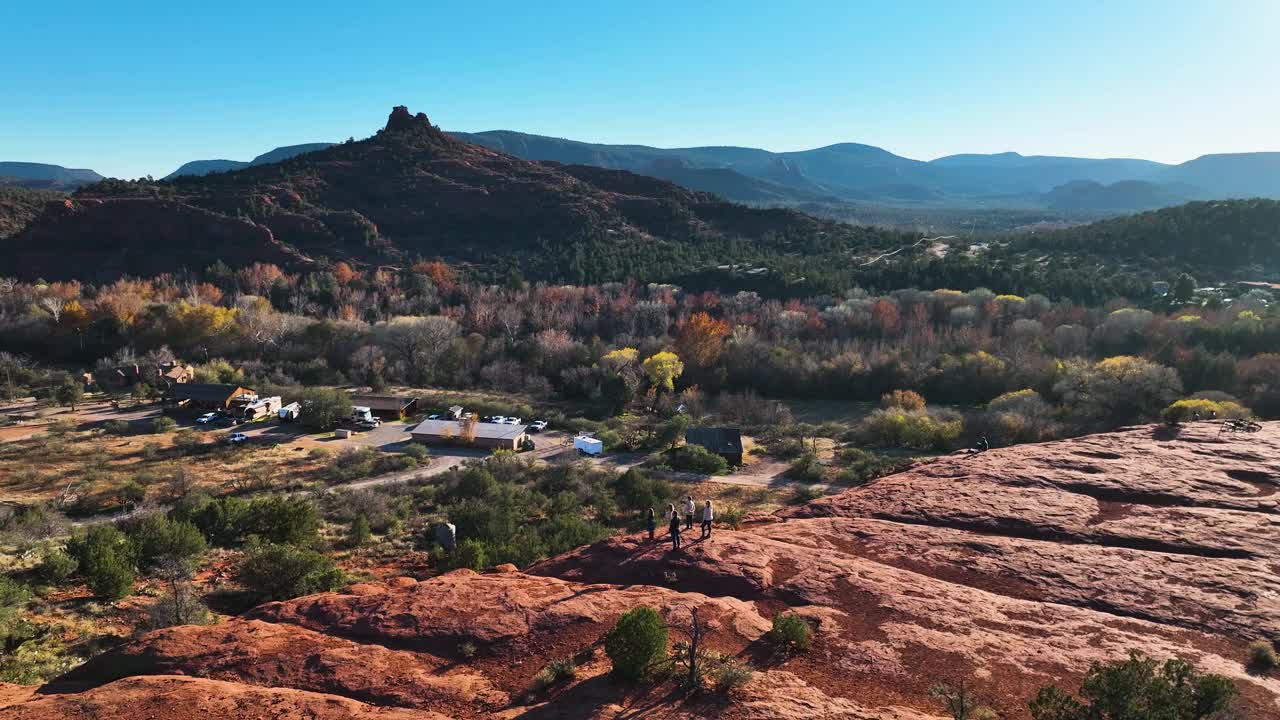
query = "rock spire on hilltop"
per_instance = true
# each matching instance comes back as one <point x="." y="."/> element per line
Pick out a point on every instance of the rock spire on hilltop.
<point x="401" y="120"/>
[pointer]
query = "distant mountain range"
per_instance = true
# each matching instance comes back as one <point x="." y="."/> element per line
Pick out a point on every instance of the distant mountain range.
<point x="204" y="167"/>
<point x="864" y="173"/>
<point x="42" y="176"/>
<point x="845" y="175"/>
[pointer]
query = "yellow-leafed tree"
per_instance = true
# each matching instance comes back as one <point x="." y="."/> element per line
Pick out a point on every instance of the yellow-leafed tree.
<point x="663" y="368"/>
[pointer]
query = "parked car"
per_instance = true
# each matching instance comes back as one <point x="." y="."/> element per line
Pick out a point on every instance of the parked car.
<point x="537" y="426"/>
<point x="510" y="421"/>
<point x="368" y="424"/>
<point x="206" y="418"/>
<point x="237" y="439"/>
<point x="434" y="417"/>
<point x="499" y="419"/>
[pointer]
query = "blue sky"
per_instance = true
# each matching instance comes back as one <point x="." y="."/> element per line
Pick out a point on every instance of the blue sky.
<point x="131" y="88"/>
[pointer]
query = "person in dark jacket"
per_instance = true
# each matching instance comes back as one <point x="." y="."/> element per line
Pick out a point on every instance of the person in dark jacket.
<point x="652" y="522"/>
<point x="674" y="527"/>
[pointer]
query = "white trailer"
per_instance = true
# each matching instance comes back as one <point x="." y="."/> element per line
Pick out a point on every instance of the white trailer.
<point x="360" y="413"/>
<point x="262" y="407"/>
<point x="290" y="412"/>
<point x="588" y="445"/>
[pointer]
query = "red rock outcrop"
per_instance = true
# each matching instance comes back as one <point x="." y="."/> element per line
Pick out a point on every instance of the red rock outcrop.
<point x="267" y="655"/>
<point x="1009" y="570"/>
<point x="161" y="697"/>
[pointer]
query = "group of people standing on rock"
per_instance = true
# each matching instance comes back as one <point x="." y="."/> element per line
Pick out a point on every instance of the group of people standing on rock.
<point x="689" y="509"/>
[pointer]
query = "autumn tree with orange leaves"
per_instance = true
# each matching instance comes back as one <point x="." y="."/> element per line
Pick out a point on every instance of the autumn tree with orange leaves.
<point x="701" y="340"/>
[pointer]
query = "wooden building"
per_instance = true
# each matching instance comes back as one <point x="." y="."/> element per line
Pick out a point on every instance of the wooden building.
<point x="386" y="407"/>
<point x="725" y="442"/>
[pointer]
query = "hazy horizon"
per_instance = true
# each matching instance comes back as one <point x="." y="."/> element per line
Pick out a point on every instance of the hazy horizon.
<point x="137" y="90"/>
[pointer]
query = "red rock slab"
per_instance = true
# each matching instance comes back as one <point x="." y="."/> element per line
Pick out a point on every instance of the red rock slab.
<point x="990" y="505"/>
<point x="1225" y="596"/>
<point x="892" y="631"/>
<point x="1145" y="465"/>
<point x="517" y="622"/>
<point x="164" y="697"/>
<point x="287" y="656"/>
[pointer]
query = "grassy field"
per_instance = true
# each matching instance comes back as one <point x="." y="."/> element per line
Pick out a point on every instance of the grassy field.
<point x="92" y="471"/>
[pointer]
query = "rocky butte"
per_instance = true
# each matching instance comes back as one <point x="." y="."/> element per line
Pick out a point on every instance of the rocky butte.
<point x="409" y="191"/>
<point x="1007" y="570"/>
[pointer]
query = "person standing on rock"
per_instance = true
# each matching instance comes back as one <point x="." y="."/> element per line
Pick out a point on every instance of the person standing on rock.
<point x="652" y="522"/>
<point x="707" y="516"/>
<point x="674" y="527"/>
<point x="689" y="508"/>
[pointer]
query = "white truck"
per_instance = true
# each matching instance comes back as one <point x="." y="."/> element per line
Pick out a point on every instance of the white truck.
<point x="588" y="445"/>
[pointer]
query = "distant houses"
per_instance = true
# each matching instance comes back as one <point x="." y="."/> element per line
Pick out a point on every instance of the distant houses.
<point x="126" y="376"/>
<point x="725" y="442"/>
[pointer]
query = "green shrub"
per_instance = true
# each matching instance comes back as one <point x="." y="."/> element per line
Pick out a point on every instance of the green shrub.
<point x="1185" y="409"/>
<point x="863" y="466"/>
<point x="731" y="516"/>
<point x="791" y="632"/>
<point x="56" y="566"/>
<point x="163" y="424"/>
<point x="638" y="491"/>
<point x="417" y="452"/>
<point x="281" y="572"/>
<point x="1173" y="690"/>
<point x="469" y="554"/>
<point x="116" y="427"/>
<point x="360" y="533"/>
<point x="187" y="440"/>
<point x="283" y="520"/>
<point x="920" y="430"/>
<point x="1262" y="656"/>
<point x="156" y="539"/>
<point x="556" y="672"/>
<point x="802" y="494"/>
<point x="786" y="447"/>
<point x="806" y="468"/>
<point x="467" y="650"/>
<point x="696" y="459"/>
<point x="728" y="675"/>
<point x="105" y="558"/>
<point x="636" y="642"/>
<point x="13" y="595"/>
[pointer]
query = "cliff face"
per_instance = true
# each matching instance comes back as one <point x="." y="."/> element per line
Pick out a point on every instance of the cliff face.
<point x="1008" y="570"/>
<point x="409" y="190"/>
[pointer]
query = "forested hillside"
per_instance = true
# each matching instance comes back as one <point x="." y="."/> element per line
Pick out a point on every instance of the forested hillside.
<point x="408" y="192"/>
<point x="19" y="206"/>
<point x="1221" y="237"/>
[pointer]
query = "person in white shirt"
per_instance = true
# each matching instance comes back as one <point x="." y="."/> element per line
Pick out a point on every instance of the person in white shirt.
<point x="707" y="516"/>
<point x="689" y="509"/>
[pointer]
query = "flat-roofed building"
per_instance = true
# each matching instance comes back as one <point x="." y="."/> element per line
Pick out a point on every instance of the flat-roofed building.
<point x="492" y="436"/>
